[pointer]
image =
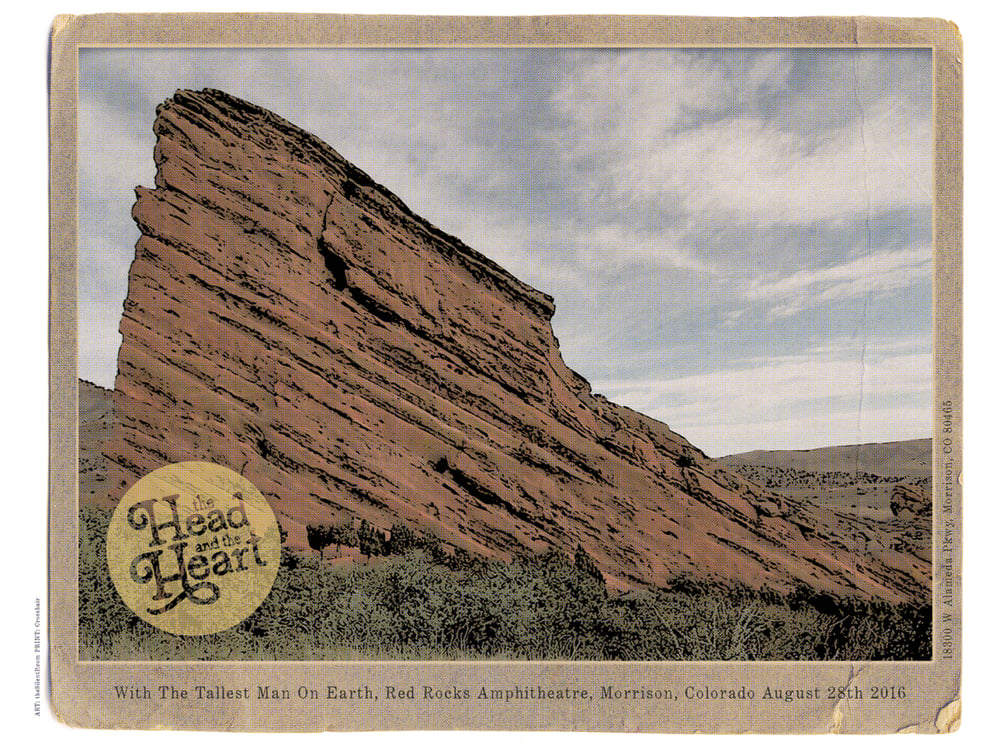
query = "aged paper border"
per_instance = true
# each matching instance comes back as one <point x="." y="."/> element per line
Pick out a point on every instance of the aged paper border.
<point x="81" y="691"/>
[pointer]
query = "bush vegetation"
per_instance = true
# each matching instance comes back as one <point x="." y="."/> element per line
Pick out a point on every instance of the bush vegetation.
<point x="414" y="599"/>
<point x="785" y="476"/>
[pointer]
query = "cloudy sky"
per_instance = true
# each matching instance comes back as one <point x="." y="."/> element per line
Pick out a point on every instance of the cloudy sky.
<point x="738" y="242"/>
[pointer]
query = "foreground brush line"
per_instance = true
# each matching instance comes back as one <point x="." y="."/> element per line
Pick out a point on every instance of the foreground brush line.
<point x="418" y="605"/>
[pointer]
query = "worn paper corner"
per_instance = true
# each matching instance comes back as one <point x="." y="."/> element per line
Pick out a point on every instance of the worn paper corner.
<point x="949" y="718"/>
<point x="60" y="23"/>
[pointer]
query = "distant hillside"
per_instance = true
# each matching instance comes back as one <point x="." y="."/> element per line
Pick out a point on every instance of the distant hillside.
<point x="95" y="409"/>
<point x="874" y="497"/>
<point x="906" y="459"/>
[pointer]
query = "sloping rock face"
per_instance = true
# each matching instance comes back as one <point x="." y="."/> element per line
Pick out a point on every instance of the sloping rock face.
<point x="291" y="319"/>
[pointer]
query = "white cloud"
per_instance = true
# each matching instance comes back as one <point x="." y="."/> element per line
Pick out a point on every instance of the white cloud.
<point x="787" y="380"/>
<point x="759" y="173"/>
<point x="748" y="431"/>
<point x="798" y="401"/>
<point x="872" y="274"/>
<point x="670" y="130"/>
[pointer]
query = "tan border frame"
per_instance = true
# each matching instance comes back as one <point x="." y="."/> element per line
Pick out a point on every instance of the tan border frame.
<point x="81" y="691"/>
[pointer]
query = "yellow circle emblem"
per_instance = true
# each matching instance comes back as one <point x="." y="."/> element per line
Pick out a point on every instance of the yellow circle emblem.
<point x="193" y="548"/>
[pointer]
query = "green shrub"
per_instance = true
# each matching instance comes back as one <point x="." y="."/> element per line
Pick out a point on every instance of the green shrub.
<point x="401" y="539"/>
<point x="319" y="537"/>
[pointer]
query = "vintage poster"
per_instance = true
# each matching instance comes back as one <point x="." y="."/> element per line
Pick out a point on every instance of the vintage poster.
<point x="581" y="373"/>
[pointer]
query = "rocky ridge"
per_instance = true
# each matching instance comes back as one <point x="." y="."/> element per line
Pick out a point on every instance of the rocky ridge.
<point x="290" y="318"/>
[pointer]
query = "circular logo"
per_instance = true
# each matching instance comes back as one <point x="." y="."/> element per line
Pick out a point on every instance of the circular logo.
<point x="193" y="548"/>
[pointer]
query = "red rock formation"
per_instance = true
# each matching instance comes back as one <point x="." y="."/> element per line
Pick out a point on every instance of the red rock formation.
<point x="291" y="319"/>
<point x="909" y="501"/>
